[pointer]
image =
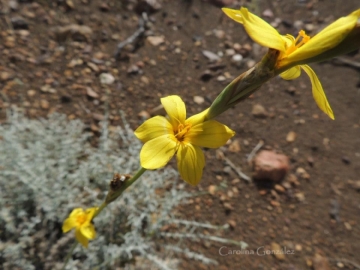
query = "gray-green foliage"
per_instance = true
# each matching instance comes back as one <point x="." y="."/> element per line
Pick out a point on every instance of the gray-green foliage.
<point x="48" y="167"/>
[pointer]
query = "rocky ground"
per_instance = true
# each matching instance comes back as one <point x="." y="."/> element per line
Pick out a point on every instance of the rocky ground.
<point x="52" y="55"/>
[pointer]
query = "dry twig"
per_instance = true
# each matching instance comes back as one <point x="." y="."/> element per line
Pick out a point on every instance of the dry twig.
<point x="237" y="170"/>
<point x="135" y="36"/>
<point x="255" y="150"/>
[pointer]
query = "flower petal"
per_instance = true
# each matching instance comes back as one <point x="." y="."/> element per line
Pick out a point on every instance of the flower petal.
<point x="81" y="238"/>
<point x="90" y="213"/>
<point x="289" y="40"/>
<point x="318" y="92"/>
<point x="153" y="128"/>
<point x="197" y="118"/>
<point x="291" y="73"/>
<point x="68" y="224"/>
<point x="88" y="231"/>
<point x="190" y="162"/>
<point x="234" y="14"/>
<point x="175" y="108"/>
<point x="258" y="29"/>
<point x="75" y="212"/>
<point x="157" y="152"/>
<point x="210" y="134"/>
<point x="326" y="39"/>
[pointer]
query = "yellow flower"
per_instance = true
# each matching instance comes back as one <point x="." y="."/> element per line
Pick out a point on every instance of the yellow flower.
<point x="165" y="137"/>
<point x="81" y="221"/>
<point x="294" y="52"/>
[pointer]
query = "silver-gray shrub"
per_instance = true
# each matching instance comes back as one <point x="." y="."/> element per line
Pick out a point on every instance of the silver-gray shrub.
<point x="48" y="167"/>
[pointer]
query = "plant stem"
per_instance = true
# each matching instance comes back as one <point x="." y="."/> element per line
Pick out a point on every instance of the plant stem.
<point x="117" y="193"/>
<point x="68" y="256"/>
<point x="124" y="186"/>
<point x="100" y="208"/>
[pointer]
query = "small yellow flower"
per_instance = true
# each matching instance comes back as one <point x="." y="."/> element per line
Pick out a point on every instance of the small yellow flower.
<point x="294" y="52"/>
<point x="81" y="221"/>
<point x="165" y="137"/>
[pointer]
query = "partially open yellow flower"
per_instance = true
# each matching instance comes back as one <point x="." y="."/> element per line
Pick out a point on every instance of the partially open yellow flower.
<point x="294" y="52"/>
<point x="81" y="221"/>
<point x="165" y="137"/>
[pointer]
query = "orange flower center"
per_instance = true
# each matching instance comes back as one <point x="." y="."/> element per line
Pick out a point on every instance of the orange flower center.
<point x="300" y="40"/>
<point x="181" y="131"/>
<point x="80" y="219"/>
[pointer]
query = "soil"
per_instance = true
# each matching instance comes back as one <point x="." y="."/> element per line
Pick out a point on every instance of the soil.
<point x="313" y="213"/>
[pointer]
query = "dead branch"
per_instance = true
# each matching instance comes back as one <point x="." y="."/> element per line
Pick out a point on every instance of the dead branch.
<point x="134" y="37"/>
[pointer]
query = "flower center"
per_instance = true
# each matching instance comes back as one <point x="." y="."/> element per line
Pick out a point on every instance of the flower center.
<point x="181" y="131"/>
<point x="80" y="219"/>
<point x="300" y="40"/>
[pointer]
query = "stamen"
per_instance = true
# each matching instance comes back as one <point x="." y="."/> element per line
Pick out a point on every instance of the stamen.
<point x="304" y="38"/>
<point x="300" y="40"/>
<point x="81" y="219"/>
<point x="181" y="131"/>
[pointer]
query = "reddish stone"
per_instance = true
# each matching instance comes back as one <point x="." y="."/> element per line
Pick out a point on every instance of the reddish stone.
<point x="269" y="165"/>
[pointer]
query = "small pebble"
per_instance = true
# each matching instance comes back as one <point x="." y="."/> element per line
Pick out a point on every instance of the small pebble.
<point x="44" y="104"/>
<point x="259" y="111"/>
<point x="156" y="40"/>
<point x="106" y="78"/>
<point x="199" y="100"/>
<point x="276" y="251"/>
<point x="221" y="78"/>
<point x="212" y="57"/>
<point x="345" y="160"/>
<point x="291" y="136"/>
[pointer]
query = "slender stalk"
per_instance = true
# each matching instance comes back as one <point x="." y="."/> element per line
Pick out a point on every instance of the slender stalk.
<point x="68" y="256"/>
<point x="100" y="208"/>
<point x="125" y="185"/>
<point x="244" y="85"/>
<point x="114" y="195"/>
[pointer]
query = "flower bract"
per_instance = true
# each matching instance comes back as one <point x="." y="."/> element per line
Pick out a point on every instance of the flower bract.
<point x="164" y="137"/>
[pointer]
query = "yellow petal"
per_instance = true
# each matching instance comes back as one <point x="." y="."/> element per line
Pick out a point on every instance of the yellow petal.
<point x="81" y="238"/>
<point x="90" y="213"/>
<point x="190" y="162"/>
<point x="210" y="134"/>
<point x="75" y="212"/>
<point x="153" y="128"/>
<point x="328" y="38"/>
<point x="291" y="73"/>
<point x="88" y="231"/>
<point x="157" y="152"/>
<point x="175" y="108"/>
<point x="197" y="118"/>
<point x="258" y="29"/>
<point x="356" y="13"/>
<point x="234" y="14"/>
<point x="289" y="40"/>
<point x="318" y="92"/>
<point x="68" y="224"/>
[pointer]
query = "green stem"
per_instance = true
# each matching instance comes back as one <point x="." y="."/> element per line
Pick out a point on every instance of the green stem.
<point x="100" y="208"/>
<point x="125" y="185"/>
<point x="244" y="85"/>
<point x="116" y="194"/>
<point x="68" y="256"/>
